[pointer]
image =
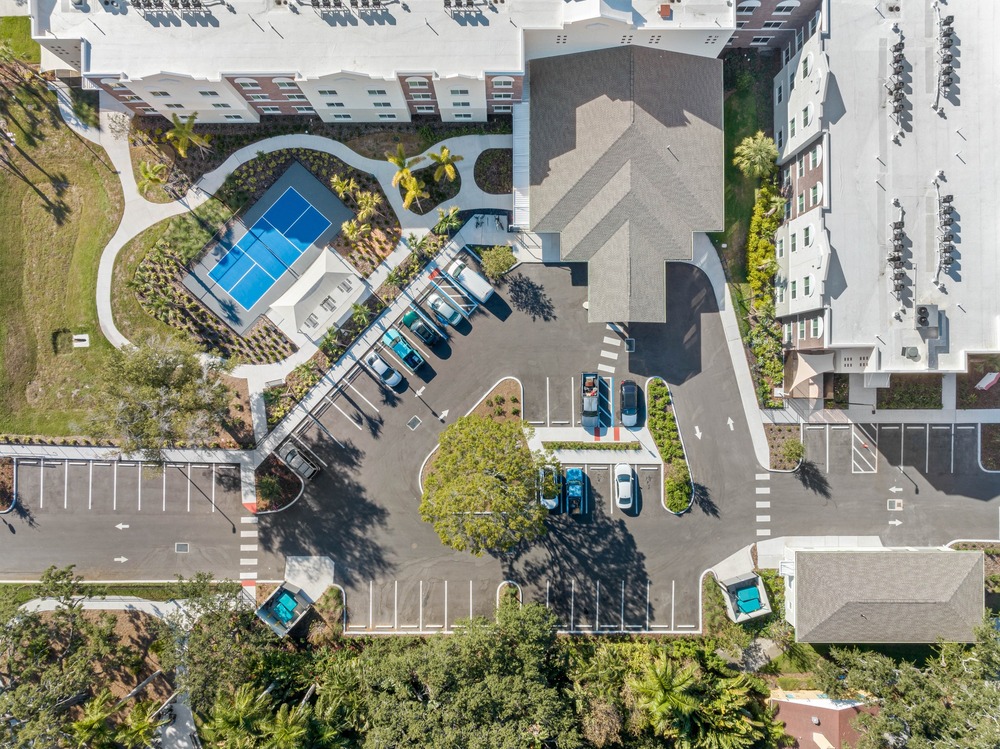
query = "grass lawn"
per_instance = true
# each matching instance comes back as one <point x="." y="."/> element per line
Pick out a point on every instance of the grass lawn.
<point x="17" y="31"/>
<point x="60" y="202"/>
<point x="747" y="109"/>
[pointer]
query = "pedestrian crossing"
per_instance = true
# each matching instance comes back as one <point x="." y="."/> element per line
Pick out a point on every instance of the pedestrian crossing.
<point x="612" y="347"/>
<point x="763" y="519"/>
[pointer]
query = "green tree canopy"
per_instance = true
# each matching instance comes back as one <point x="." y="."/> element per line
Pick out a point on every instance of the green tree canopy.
<point x="183" y="136"/>
<point x="497" y="261"/>
<point x="480" y="494"/>
<point x="756" y="155"/>
<point x="157" y="394"/>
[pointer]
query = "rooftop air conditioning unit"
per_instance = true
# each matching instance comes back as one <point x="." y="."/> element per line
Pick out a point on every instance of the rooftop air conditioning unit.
<point x="925" y="319"/>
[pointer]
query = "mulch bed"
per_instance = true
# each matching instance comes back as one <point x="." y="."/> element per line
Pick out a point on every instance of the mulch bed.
<point x="990" y="448"/>
<point x="967" y="395"/>
<point x="777" y="436"/>
<point x="495" y="171"/>
<point x="289" y="483"/>
<point x="237" y="428"/>
<point x="6" y="483"/>
<point x="911" y="391"/>
<point x="502" y="403"/>
<point x="440" y="192"/>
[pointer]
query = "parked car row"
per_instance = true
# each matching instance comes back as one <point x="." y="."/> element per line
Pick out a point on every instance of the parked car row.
<point x="590" y="398"/>
<point x="553" y="486"/>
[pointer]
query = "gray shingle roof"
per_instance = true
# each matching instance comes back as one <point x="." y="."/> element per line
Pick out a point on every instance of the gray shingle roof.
<point x="626" y="162"/>
<point x="888" y="595"/>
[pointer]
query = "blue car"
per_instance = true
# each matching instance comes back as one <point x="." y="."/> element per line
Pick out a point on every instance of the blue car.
<point x="399" y="345"/>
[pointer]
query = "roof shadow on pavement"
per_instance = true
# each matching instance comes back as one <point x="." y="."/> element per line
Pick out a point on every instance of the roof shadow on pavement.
<point x="333" y="517"/>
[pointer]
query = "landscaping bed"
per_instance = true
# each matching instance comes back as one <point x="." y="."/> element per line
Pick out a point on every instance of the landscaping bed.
<point x="841" y="391"/>
<point x="494" y="171"/>
<point x="377" y="236"/>
<point x="440" y="192"/>
<point x="990" y="446"/>
<point x="503" y="402"/>
<point x="779" y="439"/>
<point x="236" y="430"/>
<point x="277" y="484"/>
<point x="140" y="153"/>
<point x="6" y="483"/>
<point x="613" y="446"/>
<point x="404" y="273"/>
<point x="663" y="427"/>
<point x="911" y="391"/>
<point x="965" y="384"/>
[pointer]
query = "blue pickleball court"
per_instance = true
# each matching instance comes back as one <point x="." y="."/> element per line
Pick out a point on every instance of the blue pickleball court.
<point x="249" y="268"/>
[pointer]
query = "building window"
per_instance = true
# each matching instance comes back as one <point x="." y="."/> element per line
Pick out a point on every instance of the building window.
<point x="248" y="83"/>
<point x="787" y="55"/>
<point x="286" y="84"/>
<point x="233" y="116"/>
<point x="424" y="108"/>
<point x="270" y="110"/>
<point x="780" y="139"/>
<point x="327" y="92"/>
<point x="794" y="239"/>
<point x="460" y="92"/>
<point x="800" y="202"/>
<point x="780" y="290"/>
<point x="787" y="332"/>
<point x="816" y="193"/>
<point x="785" y="7"/>
<point x="387" y="116"/>
<point x="342" y="117"/>
<point x="798" y="39"/>
<point x="807" y="285"/>
<point x="382" y="105"/>
<point x="795" y="290"/>
<point x="131" y="97"/>
<point x="813" y="23"/>
<point x="147" y="110"/>
<point x="503" y="96"/>
<point x="741" y="24"/>
<point x="802" y="330"/>
<point x="814" y="156"/>
<point x="772" y="24"/>
<point x="778" y="93"/>
<point x="760" y="41"/>
<point x="807" y="236"/>
<point x="747" y="7"/>
<point x="791" y="128"/>
<point x="305" y="110"/>
<point x="461" y="104"/>
<point x="159" y="93"/>
<point x="221" y="105"/>
<point x="175" y="106"/>
<point x="503" y="83"/>
<point x="463" y="116"/>
<point x="115" y="85"/>
<point x="416" y="82"/>
<point x="805" y="65"/>
<point x="376" y="92"/>
<point x="335" y="104"/>
<point x="806" y="114"/>
<point x="259" y="97"/>
<point x="422" y="97"/>
<point x="779" y="247"/>
<point x="800" y="166"/>
<point x="814" y="324"/>
<point x="208" y="93"/>
<point x="788" y="209"/>
<point x="503" y="108"/>
<point x="296" y="97"/>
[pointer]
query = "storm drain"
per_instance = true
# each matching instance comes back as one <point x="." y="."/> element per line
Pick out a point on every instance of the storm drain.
<point x="630" y="345"/>
<point x="894" y="505"/>
<point x="182" y="548"/>
<point x="413" y="423"/>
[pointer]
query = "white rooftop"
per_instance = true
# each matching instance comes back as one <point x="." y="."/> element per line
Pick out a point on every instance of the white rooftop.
<point x="867" y="170"/>
<point x="280" y="36"/>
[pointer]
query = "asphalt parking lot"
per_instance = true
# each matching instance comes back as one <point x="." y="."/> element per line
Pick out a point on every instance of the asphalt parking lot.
<point x="122" y="520"/>
<point x="609" y="570"/>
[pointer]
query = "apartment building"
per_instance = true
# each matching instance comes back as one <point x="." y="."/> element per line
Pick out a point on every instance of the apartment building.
<point x="772" y="23"/>
<point x="886" y="258"/>
<point x="352" y="60"/>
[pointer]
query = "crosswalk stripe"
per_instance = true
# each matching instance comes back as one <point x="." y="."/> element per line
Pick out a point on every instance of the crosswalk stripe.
<point x="763" y="518"/>
<point x="612" y="341"/>
<point x="763" y="505"/>
<point x="605" y="368"/>
<point x="248" y="519"/>
<point x="609" y="354"/>
<point x="248" y="534"/>
<point x="763" y="490"/>
<point x="248" y="561"/>
<point x="248" y="576"/>
<point x="762" y="476"/>
<point x="248" y="547"/>
<point x="763" y="532"/>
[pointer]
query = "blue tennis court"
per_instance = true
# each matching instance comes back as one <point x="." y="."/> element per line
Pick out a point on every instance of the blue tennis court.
<point x="269" y="248"/>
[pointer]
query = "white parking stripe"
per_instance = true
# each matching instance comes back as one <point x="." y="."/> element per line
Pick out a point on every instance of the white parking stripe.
<point x="164" y="489"/>
<point x="139" y="485"/>
<point x="213" y="487"/>
<point x="353" y="422"/>
<point x="763" y="490"/>
<point x="605" y="368"/>
<point x="363" y="397"/>
<point x="65" y="484"/>
<point x="189" y="487"/>
<point x="90" y="488"/>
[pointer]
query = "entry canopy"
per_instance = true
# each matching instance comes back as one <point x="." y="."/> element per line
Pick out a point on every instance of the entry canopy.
<point x="810" y="365"/>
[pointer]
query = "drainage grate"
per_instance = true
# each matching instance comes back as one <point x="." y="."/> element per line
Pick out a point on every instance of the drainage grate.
<point x="894" y="505"/>
<point x="413" y="423"/>
<point x="630" y="345"/>
<point x="182" y="548"/>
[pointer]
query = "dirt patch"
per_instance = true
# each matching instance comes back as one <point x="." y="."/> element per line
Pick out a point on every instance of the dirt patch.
<point x="502" y="403"/>
<point x="236" y="429"/>
<point x="778" y="435"/>
<point x="6" y="483"/>
<point x="375" y="145"/>
<point x="989" y="454"/>
<point x="965" y="384"/>
<point x="911" y="391"/>
<point x="495" y="171"/>
<point x="286" y="486"/>
<point x="263" y="591"/>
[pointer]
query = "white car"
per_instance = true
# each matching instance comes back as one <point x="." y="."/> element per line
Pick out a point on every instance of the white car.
<point x="471" y="281"/>
<point x="389" y="376"/>
<point x="624" y="486"/>
<point x="445" y="311"/>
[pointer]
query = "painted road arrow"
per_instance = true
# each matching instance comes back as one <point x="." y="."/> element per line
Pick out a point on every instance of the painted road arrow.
<point x="730" y="422"/>
<point x="121" y="526"/>
<point x="121" y="560"/>
<point x="895" y="489"/>
<point x="444" y="415"/>
<point x="895" y="522"/>
<point x="697" y="431"/>
<point x="420" y="392"/>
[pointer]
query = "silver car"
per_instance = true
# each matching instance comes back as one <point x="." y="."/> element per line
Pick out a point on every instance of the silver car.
<point x="389" y="376"/>
<point x="297" y="461"/>
<point x="445" y="311"/>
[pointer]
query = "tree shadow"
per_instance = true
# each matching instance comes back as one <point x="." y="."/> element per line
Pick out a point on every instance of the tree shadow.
<point x="813" y="479"/>
<point x="23" y="513"/>
<point x="704" y="502"/>
<point x="529" y="297"/>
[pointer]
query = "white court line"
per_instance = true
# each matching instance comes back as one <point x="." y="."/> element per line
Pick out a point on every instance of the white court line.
<point x="763" y="490"/>
<point x="248" y="547"/>
<point x="612" y="341"/>
<point x="763" y="505"/>
<point x="763" y="532"/>
<point x="363" y="397"/>
<point x="762" y="476"/>
<point x="248" y="534"/>
<point x="609" y="354"/>
<point x="763" y="518"/>
<point x="605" y="368"/>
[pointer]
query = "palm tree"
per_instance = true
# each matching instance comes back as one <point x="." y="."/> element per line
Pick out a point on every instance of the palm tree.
<point x="415" y="190"/>
<point x="361" y="315"/>
<point x="139" y="728"/>
<point x="668" y="695"/>
<point x="447" y="220"/>
<point x="287" y="729"/>
<point x="776" y="204"/>
<point x="93" y="730"/>
<point x="756" y="155"/>
<point x="238" y="718"/>
<point x="368" y="203"/>
<point x="343" y="186"/>
<point x="404" y="166"/>
<point x="182" y="135"/>
<point x="445" y="164"/>
<point x="150" y="175"/>
<point x="351" y="231"/>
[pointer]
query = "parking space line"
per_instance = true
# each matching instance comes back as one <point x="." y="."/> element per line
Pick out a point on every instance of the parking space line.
<point x="139" y="485"/>
<point x="114" y="500"/>
<point x="189" y="486"/>
<point x="622" y="614"/>
<point x="647" y="604"/>
<point x="572" y="401"/>
<point x="213" y="489"/>
<point x="41" y="483"/>
<point x="325" y="430"/>
<point x="470" y="599"/>
<point x="673" y="587"/>
<point x="927" y="452"/>
<point x="353" y="422"/>
<point x="90" y="488"/>
<point x="363" y="397"/>
<point x="164" y="488"/>
<point x="547" y="407"/>
<point x="445" y="605"/>
<point x="395" y="604"/>
<point x="308" y="450"/>
<point x="65" y="484"/>
<point x="572" y="604"/>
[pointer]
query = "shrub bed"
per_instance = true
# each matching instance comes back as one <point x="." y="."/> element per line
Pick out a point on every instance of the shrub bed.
<point x="277" y="484"/>
<point x="663" y="428"/>
<point x="990" y="449"/>
<point x="965" y="384"/>
<point x="494" y="171"/>
<point x="613" y="446"/>
<point x="911" y="391"/>
<point x="779" y="437"/>
<point x="440" y="192"/>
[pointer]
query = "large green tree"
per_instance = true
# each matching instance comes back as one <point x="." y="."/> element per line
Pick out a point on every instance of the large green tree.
<point x="480" y="494"/>
<point x="183" y="136"/>
<point x="157" y="394"/>
<point x="756" y="155"/>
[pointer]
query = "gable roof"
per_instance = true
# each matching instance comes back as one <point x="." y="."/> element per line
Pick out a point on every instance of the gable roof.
<point x="888" y="595"/>
<point x="626" y="162"/>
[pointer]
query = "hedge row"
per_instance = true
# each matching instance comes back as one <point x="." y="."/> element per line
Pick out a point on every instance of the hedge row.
<point x="663" y="427"/>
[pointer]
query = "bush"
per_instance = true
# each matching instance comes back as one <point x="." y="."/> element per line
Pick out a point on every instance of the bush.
<point x="268" y="489"/>
<point x="663" y="428"/>
<point x="497" y="261"/>
<point x="793" y="451"/>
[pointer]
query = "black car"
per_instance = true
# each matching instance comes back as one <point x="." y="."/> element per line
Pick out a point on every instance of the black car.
<point x="629" y="403"/>
<point x="420" y="328"/>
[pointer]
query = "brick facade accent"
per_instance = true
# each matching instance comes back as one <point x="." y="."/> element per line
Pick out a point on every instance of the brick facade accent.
<point x="754" y="23"/>
<point x="276" y="97"/>
<point x="793" y="185"/>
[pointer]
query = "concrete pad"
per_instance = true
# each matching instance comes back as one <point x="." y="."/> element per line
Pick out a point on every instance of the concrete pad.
<point x="312" y="574"/>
